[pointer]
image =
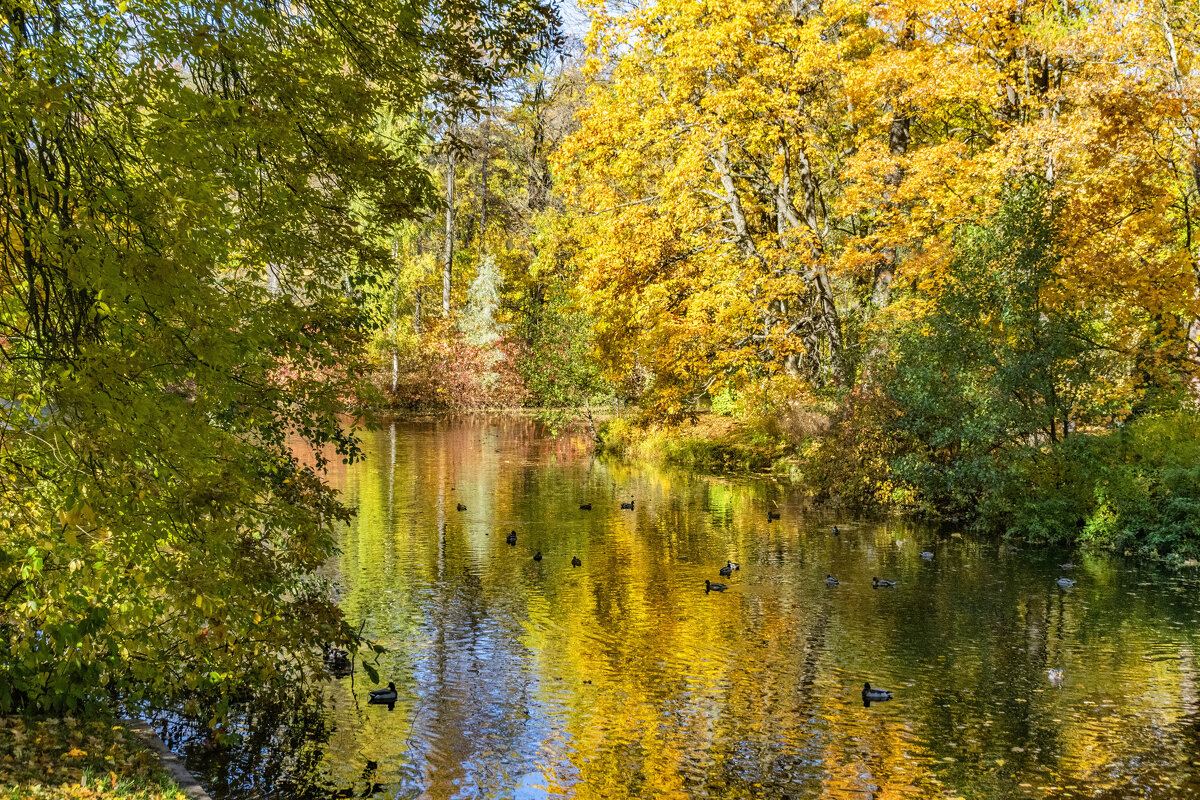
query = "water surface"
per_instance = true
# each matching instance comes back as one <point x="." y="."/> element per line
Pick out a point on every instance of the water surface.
<point x="622" y="678"/>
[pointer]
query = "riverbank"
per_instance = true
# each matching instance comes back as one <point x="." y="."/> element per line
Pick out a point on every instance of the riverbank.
<point x="78" y="759"/>
<point x="710" y="443"/>
<point x="1132" y="488"/>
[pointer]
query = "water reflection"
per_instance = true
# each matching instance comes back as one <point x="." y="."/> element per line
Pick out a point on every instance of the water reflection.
<point x="624" y="678"/>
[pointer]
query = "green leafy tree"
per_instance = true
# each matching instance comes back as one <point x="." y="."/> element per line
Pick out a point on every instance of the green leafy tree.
<point x="996" y="367"/>
<point x="559" y="367"/>
<point x="178" y="322"/>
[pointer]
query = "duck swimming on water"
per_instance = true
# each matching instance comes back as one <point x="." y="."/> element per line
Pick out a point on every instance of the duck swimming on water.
<point x="628" y="505"/>
<point x="1065" y="582"/>
<point x="877" y="583"/>
<point x="585" y="507"/>
<point x="726" y="570"/>
<point x="461" y="507"/>
<point x="772" y="515"/>
<point x="387" y="695"/>
<point x="338" y="663"/>
<point x="830" y="580"/>
<point x="537" y="556"/>
<point x="575" y="562"/>
<point x="713" y="587"/>
<point x="511" y="538"/>
<point x="870" y="695"/>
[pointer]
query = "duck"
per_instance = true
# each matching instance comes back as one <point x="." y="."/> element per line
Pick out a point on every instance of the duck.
<point x="877" y="583"/>
<point x="728" y="569"/>
<point x="713" y="587"/>
<point x="1065" y="582"/>
<point x="836" y="532"/>
<point x="628" y="505"/>
<point x="772" y="515"/>
<point x="511" y="538"/>
<point x="585" y="506"/>
<point x="928" y="556"/>
<point x="537" y="556"/>
<point x="575" y="562"/>
<point x="387" y="695"/>
<point x="830" y="580"/>
<point x="338" y="663"/>
<point x="1067" y="565"/>
<point x="870" y="695"/>
<point x="461" y="507"/>
<point x="1055" y="676"/>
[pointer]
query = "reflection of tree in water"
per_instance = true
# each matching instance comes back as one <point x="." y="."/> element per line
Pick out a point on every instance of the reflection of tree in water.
<point x="622" y="679"/>
<point x="279" y="755"/>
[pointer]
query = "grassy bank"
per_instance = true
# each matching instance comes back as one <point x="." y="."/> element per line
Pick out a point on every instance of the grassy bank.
<point x="78" y="759"/>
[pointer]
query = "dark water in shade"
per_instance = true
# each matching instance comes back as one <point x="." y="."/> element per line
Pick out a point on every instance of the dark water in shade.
<point x="623" y="679"/>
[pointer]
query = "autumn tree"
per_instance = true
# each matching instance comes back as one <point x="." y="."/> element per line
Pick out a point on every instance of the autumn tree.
<point x="765" y="188"/>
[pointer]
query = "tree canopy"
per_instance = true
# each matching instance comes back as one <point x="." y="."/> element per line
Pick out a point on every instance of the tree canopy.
<point x="764" y="188"/>
<point x="187" y="190"/>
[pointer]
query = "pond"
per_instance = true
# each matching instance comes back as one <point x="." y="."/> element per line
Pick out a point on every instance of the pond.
<point x="623" y="678"/>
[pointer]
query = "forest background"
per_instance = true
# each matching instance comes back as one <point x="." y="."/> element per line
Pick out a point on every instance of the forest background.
<point x="928" y="257"/>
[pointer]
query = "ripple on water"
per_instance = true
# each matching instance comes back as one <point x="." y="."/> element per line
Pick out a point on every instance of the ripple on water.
<point x="622" y="678"/>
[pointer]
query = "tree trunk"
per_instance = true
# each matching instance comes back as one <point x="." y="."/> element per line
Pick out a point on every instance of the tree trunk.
<point x="899" y="136"/>
<point x="817" y="276"/>
<point x="721" y="163"/>
<point x="483" y="179"/>
<point x="448" y="264"/>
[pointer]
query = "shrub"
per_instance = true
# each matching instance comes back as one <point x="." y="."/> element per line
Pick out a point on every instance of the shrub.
<point x="1135" y="488"/>
<point x="442" y="370"/>
<point x="851" y="464"/>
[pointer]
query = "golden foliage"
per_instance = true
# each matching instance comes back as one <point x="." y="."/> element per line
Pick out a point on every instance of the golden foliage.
<point x="753" y="182"/>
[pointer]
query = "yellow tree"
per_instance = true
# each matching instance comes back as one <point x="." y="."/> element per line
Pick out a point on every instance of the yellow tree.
<point x="752" y="181"/>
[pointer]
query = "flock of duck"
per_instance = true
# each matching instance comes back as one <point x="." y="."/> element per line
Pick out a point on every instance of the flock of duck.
<point x="869" y="694"/>
<point x="511" y="538"/>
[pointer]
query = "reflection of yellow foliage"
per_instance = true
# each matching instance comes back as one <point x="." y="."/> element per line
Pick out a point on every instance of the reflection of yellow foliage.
<point x="621" y="679"/>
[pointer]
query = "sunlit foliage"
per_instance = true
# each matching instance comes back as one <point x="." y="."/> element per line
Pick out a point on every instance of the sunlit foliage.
<point x="765" y="187"/>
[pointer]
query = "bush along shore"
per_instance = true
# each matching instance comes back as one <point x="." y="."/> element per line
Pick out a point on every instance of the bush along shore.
<point x="1134" y="489"/>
